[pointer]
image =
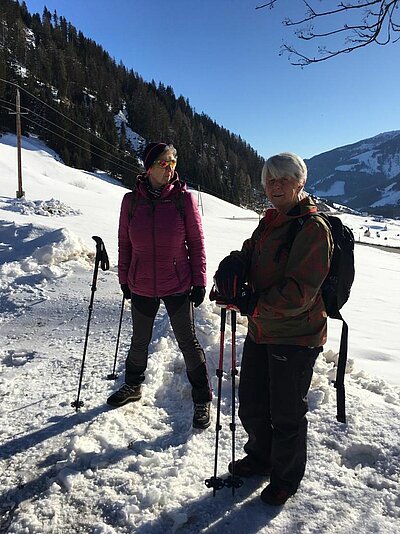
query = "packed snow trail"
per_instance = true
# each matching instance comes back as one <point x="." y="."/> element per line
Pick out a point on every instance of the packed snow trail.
<point x="141" y="468"/>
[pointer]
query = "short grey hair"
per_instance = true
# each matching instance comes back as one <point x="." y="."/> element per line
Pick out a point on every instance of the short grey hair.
<point x="284" y="164"/>
<point x="171" y="148"/>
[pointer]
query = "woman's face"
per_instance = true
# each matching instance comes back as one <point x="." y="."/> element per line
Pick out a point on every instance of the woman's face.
<point x="162" y="169"/>
<point x="283" y="192"/>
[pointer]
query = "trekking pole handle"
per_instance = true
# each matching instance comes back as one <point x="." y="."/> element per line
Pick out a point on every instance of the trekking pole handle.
<point x="219" y="301"/>
<point x="101" y="253"/>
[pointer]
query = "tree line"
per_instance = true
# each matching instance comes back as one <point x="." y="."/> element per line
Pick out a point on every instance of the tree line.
<point x="73" y="89"/>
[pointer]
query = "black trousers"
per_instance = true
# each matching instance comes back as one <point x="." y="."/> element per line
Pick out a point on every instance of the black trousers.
<point x="180" y="312"/>
<point x="274" y="381"/>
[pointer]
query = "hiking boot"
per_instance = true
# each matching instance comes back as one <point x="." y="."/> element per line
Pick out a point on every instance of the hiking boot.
<point x="247" y="467"/>
<point x="201" y="416"/>
<point x="275" y="496"/>
<point x="124" y="395"/>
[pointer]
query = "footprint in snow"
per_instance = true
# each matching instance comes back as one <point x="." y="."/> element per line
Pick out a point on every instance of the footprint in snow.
<point x="360" y="454"/>
<point x="16" y="358"/>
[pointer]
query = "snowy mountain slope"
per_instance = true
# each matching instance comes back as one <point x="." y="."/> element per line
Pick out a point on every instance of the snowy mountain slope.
<point x="136" y="141"/>
<point x="141" y="468"/>
<point x="362" y="175"/>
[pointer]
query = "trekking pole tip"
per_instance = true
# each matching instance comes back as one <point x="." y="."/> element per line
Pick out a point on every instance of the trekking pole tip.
<point x="233" y="482"/>
<point x="215" y="483"/>
<point x="77" y="404"/>
<point x="112" y="376"/>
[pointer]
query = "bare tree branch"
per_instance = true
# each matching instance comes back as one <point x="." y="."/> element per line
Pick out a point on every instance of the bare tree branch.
<point x="268" y="4"/>
<point x="368" y="21"/>
<point x="341" y="7"/>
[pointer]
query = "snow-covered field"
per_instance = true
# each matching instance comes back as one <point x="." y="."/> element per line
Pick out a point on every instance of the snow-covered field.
<point x="141" y="468"/>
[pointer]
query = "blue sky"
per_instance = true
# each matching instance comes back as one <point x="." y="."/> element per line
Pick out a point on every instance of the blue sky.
<point x="223" y="55"/>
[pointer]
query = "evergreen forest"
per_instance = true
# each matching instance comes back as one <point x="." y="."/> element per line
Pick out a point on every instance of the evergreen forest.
<point x="71" y="89"/>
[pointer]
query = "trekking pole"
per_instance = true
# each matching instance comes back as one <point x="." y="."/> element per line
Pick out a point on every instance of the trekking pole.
<point x="233" y="481"/>
<point x="113" y="375"/>
<point x="101" y="258"/>
<point x="215" y="482"/>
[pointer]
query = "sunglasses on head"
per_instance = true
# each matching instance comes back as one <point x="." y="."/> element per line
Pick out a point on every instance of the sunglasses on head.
<point x="164" y="163"/>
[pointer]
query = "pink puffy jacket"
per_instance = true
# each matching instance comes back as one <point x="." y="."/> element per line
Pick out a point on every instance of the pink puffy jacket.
<point x="160" y="252"/>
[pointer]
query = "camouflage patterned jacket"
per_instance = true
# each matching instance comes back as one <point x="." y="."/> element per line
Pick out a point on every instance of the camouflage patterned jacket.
<point x="290" y="309"/>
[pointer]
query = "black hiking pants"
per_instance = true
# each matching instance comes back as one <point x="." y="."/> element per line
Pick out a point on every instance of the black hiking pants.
<point x="180" y="312"/>
<point x="274" y="381"/>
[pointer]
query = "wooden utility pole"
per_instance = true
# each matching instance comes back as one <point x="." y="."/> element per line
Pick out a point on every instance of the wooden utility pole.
<point x="20" y="193"/>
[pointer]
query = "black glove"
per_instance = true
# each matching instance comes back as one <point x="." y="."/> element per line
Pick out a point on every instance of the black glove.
<point x="126" y="291"/>
<point x="197" y="295"/>
<point x="214" y="295"/>
<point x="247" y="301"/>
<point x="230" y="277"/>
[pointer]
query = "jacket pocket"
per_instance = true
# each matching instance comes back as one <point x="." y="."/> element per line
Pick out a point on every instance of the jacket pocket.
<point x="176" y="270"/>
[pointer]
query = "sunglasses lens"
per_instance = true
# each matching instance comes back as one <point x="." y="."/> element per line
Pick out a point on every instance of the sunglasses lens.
<point x="164" y="164"/>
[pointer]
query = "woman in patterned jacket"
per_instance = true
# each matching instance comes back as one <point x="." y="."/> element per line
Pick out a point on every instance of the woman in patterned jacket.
<point x="287" y="325"/>
<point x="161" y="256"/>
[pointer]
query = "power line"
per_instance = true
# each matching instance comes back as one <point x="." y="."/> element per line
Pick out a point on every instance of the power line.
<point x="190" y="183"/>
<point x="118" y="161"/>
<point x="215" y="193"/>
<point x="4" y="107"/>
<point x="72" y="142"/>
<point x="60" y="113"/>
<point x="92" y="149"/>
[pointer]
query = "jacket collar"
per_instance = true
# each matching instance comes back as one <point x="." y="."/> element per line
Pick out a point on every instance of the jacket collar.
<point x="172" y="187"/>
<point x="304" y="207"/>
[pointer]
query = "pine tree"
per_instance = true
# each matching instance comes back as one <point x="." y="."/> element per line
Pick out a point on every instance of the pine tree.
<point x="75" y="75"/>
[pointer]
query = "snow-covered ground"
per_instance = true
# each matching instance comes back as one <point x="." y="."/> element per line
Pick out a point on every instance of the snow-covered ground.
<point x="141" y="468"/>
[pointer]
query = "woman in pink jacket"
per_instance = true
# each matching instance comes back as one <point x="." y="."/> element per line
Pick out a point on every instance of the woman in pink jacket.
<point x="161" y="257"/>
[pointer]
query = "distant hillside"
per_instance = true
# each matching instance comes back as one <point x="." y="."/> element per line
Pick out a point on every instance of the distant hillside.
<point x="364" y="175"/>
<point x="67" y="77"/>
<point x="98" y="115"/>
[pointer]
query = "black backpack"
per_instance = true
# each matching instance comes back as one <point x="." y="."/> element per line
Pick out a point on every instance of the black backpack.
<point x="335" y="289"/>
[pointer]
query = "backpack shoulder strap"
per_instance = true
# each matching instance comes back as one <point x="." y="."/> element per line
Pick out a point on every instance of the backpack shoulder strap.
<point x="294" y="228"/>
<point x="256" y="236"/>
<point x="333" y="223"/>
<point x="179" y="201"/>
<point x="134" y="203"/>
<point x="341" y="370"/>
